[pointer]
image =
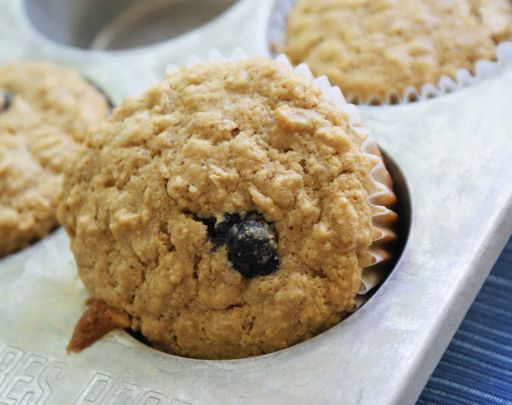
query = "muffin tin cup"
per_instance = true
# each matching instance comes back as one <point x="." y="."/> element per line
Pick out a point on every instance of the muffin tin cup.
<point x="381" y="199"/>
<point x="482" y="69"/>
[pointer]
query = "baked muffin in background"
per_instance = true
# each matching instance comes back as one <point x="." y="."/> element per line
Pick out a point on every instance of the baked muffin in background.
<point x="375" y="49"/>
<point x="226" y="212"/>
<point x="45" y="110"/>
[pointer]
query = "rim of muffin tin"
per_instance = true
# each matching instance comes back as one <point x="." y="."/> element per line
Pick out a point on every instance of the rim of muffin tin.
<point x="482" y="69"/>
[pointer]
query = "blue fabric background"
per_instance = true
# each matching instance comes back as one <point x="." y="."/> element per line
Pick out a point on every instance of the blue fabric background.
<point x="477" y="366"/>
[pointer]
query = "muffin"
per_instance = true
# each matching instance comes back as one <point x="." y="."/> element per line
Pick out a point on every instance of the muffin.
<point x="44" y="111"/>
<point x="375" y="50"/>
<point x="228" y="211"/>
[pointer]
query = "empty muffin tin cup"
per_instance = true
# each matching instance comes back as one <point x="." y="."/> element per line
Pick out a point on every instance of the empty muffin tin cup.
<point x="482" y="69"/>
<point x="120" y="24"/>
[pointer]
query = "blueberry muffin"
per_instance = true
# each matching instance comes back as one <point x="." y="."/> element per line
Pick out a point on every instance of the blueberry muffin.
<point x="376" y="49"/>
<point x="44" y="111"/>
<point x="225" y="211"/>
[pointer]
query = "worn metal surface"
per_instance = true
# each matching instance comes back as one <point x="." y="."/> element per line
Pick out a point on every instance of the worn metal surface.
<point x="456" y="153"/>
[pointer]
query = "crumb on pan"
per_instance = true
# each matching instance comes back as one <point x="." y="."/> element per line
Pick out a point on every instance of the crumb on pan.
<point x="98" y="320"/>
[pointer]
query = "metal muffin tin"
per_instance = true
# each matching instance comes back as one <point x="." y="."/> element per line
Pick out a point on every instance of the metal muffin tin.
<point x="455" y="152"/>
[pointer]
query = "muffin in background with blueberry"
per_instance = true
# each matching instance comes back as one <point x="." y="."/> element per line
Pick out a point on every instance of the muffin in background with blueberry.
<point x="223" y="214"/>
<point x="45" y="110"/>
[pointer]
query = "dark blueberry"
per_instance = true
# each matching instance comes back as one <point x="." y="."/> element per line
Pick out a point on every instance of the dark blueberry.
<point x="223" y="230"/>
<point x="251" y="243"/>
<point x="5" y="100"/>
<point x="252" y="248"/>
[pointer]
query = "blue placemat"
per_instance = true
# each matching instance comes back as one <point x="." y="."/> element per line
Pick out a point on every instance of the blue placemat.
<point x="477" y="366"/>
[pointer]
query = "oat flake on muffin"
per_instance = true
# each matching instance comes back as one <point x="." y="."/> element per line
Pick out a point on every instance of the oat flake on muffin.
<point x="225" y="211"/>
<point x="373" y="49"/>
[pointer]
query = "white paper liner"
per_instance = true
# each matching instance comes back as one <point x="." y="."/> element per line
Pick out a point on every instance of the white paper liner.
<point x="381" y="198"/>
<point x="276" y="32"/>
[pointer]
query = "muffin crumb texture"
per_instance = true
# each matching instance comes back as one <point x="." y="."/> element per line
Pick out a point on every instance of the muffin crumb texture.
<point x="215" y="157"/>
<point x="373" y="49"/>
<point x="45" y="111"/>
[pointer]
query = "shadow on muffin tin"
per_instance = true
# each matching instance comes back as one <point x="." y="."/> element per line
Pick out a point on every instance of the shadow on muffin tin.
<point x="404" y="210"/>
<point x="120" y="24"/>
